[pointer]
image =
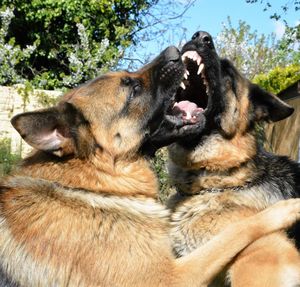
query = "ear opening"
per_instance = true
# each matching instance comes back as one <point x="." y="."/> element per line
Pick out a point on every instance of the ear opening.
<point x="267" y="106"/>
<point x="47" y="130"/>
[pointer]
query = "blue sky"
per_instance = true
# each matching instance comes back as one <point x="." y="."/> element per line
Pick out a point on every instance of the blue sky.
<point x="208" y="15"/>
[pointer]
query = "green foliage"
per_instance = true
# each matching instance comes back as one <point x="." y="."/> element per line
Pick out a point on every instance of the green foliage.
<point x="12" y="55"/>
<point x="7" y="159"/>
<point x="58" y="43"/>
<point x="26" y="91"/>
<point x="279" y="78"/>
<point x="159" y="164"/>
<point x="252" y="53"/>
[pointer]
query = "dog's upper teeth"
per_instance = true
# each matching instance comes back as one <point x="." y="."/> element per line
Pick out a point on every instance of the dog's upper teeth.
<point x="186" y="74"/>
<point x="193" y="55"/>
<point x="182" y="85"/>
<point x="201" y="67"/>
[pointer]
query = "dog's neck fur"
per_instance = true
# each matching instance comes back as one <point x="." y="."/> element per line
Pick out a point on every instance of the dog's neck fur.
<point x="100" y="173"/>
<point x="227" y="165"/>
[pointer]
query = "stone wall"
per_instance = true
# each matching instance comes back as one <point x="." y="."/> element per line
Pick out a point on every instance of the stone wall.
<point x="15" y="100"/>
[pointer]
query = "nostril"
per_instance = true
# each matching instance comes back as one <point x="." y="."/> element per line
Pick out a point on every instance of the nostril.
<point x="196" y="35"/>
<point x="206" y="39"/>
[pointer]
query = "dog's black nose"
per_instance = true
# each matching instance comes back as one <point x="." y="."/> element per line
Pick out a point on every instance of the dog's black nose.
<point x="203" y="38"/>
<point x="172" y="54"/>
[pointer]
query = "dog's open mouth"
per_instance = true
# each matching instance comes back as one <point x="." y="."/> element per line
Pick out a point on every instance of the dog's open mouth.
<point x="191" y="99"/>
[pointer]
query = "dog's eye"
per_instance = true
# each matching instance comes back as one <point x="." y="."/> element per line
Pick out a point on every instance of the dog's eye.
<point x="196" y="35"/>
<point x="135" y="91"/>
<point x="134" y="86"/>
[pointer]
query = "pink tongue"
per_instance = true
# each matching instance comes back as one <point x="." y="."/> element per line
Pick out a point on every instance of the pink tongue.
<point x="186" y="106"/>
<point x="189" y="111"/>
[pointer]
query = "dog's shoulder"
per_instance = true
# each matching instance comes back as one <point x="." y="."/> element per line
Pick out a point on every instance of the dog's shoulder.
<point x="39" y="217"/>
<point x="40" y="189"/>
<point x="279" y="171"/>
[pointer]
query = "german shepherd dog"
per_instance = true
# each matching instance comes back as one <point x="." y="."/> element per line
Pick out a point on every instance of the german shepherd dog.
<point x="222" y="175"/>
<point x="82" y="209"/>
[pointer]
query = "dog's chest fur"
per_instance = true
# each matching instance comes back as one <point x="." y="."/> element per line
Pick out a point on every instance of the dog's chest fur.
<point x="199" y="216"/>
<point x="196" y="219"/>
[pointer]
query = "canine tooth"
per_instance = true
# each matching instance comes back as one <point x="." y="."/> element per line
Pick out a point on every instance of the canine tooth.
<point x="186" y="74"/>
<point x="201" y="67"/>
<point x="182" y="85"/>
<point x="198" y="61"/>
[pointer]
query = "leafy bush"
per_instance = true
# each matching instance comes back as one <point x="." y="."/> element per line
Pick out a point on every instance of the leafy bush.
<point x="254" y="53"/>
<point x="159" y="164"/>
<point x="66" y="42"/>
<point x="7" y="159"/>
<point x="12" y="55"/>
<point x="279" y="78"/>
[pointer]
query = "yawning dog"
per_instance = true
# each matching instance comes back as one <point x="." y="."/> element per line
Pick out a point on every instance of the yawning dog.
<point x="222" y="175"/>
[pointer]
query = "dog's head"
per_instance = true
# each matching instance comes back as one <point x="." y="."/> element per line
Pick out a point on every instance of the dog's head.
<point x="217" y="93"/>
<point x="117" y="112"/>
<point x="227" y="104"/>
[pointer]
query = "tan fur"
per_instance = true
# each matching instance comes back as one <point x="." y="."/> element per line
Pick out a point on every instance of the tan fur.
<point x="212" y="173"/>
<point x="282" y="260"/>
<point x="85" y="213"/>
<point x="227" y="153"/>
<point x="235" y="118"/>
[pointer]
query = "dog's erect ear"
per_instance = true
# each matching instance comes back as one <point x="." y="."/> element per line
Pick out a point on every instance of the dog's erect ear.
<point x="48" y="130"/>
<point x="268" y="107"/>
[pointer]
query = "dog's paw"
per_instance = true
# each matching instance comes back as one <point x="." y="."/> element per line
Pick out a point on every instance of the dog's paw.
<point x="282" y="214"/>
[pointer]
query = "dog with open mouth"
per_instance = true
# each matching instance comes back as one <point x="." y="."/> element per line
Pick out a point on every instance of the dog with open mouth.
<point x="222" y="175"/>
<point x="82" y="209"/>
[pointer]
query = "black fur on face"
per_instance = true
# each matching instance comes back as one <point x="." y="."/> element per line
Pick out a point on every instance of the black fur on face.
<point x="210" y="97"/>
<point x="188" y="116"/>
